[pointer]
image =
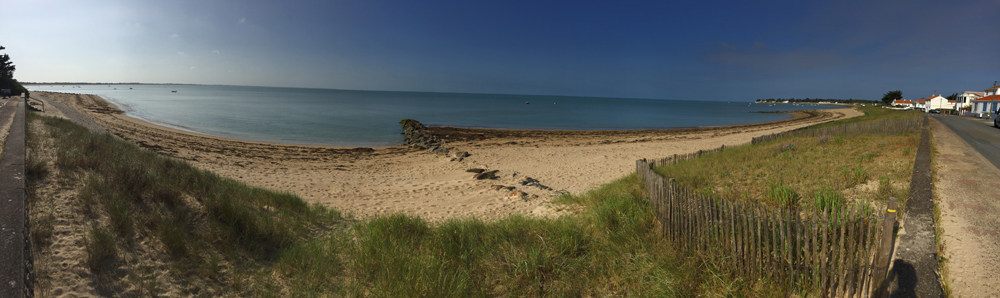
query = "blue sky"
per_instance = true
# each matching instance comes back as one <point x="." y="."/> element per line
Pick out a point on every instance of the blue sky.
<point x="696" y="50"/>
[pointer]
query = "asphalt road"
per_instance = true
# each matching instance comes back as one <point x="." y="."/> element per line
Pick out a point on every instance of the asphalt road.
<point x="979" y="133"/>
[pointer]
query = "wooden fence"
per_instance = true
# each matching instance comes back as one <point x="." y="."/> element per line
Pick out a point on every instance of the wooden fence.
<point x="883" y="126"/>
<point x="839" y="253"/>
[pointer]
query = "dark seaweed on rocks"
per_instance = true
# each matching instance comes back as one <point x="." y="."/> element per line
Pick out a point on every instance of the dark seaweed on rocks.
<point x="415" y="135"/>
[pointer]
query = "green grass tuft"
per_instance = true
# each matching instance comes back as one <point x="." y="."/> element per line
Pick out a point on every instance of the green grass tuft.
<point x="102" y="249"/>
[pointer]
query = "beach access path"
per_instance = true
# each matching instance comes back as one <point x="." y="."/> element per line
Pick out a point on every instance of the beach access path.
<point x="15" y="256"/>
<point x="68" y="113"/>
<point x="967" y="188"/>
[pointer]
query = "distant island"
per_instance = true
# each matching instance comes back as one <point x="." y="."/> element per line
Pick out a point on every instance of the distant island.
<point x="817" y="101"/>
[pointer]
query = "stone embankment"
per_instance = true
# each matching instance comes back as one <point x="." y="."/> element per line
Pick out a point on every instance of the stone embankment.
<point x="416" y="135"/>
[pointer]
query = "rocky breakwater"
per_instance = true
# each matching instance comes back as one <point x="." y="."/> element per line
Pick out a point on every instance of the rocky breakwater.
<point x="416" y="135"/>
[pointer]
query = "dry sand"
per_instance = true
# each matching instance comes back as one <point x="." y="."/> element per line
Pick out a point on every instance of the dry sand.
<point x="965" y="187"/>
<point x="371" y="181"/>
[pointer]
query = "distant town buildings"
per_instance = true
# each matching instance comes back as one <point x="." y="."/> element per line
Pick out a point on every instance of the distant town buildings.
<point x="903" y="103"/>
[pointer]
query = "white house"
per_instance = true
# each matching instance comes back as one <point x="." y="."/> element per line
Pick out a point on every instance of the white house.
<point x="989" y="103"/>
<point x="936" y="102"/>
<point x="965" y="99"/>
<point x="902" y="103"/>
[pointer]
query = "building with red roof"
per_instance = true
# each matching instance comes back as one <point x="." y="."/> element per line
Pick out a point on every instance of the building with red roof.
<point x="903" y="103"/>
<point x="986" y="104"/>
<point x="989" y="103"/>
<point x="992" y="91"/>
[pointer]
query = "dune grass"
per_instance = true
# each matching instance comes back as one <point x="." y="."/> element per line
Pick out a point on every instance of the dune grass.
<point x="811" y="172"/>
<point x="135" y="200"/>
<point x="246" y="241"/>
<point x="610" y="249"/>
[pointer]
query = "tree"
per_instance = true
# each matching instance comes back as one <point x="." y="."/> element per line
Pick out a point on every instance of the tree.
<point x="6" y="68"/>
<point x="7" y="80"/>
<point x="953" y="96"/>
<point x="888" y="97"/>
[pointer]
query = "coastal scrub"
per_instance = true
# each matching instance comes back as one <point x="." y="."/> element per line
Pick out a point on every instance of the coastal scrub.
<point x="807" y="171"/>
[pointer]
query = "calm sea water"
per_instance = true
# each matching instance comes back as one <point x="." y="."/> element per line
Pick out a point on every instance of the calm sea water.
<point x="371" y="118"/>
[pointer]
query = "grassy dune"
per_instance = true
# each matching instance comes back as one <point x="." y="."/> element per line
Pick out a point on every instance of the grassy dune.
<point x="141" y="208"/>
<point x="824" y="171"/>
<point x="221" y="237"/>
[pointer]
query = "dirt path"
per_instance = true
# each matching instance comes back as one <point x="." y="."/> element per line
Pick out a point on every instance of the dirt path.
<point x="967" y="187"/>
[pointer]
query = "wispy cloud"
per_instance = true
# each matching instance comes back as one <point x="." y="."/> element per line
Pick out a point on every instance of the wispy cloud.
<point x="192" y="67"/>
<point x="181" y="54"/>
<point x="174" y="35"/>
<point x="243" y="20"/>
<point x="215" y="52"/>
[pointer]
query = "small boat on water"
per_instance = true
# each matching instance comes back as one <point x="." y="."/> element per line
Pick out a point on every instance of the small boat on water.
<point x="527" y="103"/>
<point x="174" y="91"/>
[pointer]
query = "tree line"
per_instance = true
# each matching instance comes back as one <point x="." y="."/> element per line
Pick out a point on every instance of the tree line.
<point x="7" y="80"/>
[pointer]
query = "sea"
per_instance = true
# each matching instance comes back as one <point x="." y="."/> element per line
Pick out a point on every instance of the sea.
<point x="371" y="118"/>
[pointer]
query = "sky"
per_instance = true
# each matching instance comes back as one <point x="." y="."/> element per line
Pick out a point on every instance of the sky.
<point x="690" y="50"/>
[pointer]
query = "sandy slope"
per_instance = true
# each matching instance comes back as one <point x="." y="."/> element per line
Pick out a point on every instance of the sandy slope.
<point x="370" y="181"/>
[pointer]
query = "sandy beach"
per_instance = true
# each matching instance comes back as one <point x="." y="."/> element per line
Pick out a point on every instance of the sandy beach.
<point x="382" y="180"/>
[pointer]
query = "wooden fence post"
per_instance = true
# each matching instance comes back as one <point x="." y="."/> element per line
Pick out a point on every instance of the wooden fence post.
<point x="884" y="253"/>
<point x="826" y="254"/>
<point x="786" y="237"/>
<point x="775" y="266"/>
<point x="854" y="277"/>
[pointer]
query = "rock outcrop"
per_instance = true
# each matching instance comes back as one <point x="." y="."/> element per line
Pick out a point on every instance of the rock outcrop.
<point x="415" y="135"/>
<point x="486" y="175"/>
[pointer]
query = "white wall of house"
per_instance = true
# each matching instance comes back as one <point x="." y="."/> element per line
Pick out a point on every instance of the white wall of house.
<point x="992" y="91"/>
<point x="965" y="99"/>
<point x="939" y="103"/>
<point x="986" y="106"/>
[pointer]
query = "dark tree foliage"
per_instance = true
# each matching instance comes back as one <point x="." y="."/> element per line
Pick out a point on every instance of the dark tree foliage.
<point x="891" y="95"/>
<point x="953" y="96"/>
<point x="7" y="80"/>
